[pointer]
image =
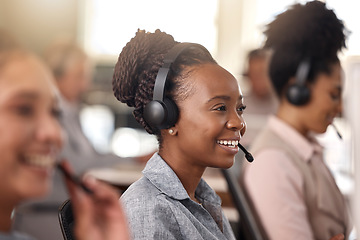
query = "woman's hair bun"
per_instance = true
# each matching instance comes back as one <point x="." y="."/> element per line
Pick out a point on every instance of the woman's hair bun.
<point x="134" y="60"/>
<point x="136" y="69"/>
<point x="310" y="28"/>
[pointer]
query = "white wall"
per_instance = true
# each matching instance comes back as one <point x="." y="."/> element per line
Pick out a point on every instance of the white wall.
<point x="352" y="97"/>
<point x="38" y="22"/>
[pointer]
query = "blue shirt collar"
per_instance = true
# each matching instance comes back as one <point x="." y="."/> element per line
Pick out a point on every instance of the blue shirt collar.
<point x="165" y="179"/>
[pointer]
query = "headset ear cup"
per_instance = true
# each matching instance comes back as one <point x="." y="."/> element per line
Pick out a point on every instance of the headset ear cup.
<point x="161" y="115"/>
<point x="171" y="115"/>
<point x="298" y="95"/>
<point x="155" y="113"/>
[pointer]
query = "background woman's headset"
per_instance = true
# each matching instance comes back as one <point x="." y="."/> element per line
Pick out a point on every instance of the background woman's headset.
<point x="298" y="93"/>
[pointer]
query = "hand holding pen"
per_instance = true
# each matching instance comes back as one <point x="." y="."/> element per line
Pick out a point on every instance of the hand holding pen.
<point x="97" y="211"/>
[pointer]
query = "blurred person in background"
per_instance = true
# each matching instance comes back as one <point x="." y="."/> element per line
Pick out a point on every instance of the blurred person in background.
<point x="72" y="69"/>
<point x="260" y="99"/>
<point x="31" y="138"/>
<point x="289" y="184"/>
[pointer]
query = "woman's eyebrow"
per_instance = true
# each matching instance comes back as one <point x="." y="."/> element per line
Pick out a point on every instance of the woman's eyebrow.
<point x="223" y="97"/>
<point x="26" y="95"/>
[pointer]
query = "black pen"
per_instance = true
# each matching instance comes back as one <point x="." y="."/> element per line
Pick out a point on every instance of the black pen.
<point x="73" y="178"/>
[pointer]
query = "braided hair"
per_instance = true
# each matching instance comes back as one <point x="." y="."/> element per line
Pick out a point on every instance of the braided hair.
<point x="309" y="31"/>
<point x="137" y="67"/>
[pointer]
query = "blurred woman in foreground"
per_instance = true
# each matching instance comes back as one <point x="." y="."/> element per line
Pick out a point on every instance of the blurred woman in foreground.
<point x="31" y="138"/>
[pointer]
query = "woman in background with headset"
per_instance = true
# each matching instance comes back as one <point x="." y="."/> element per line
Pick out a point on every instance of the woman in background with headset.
<point x="200" y="127"/>
<point x="30" y="139"/>
<point x="291" y="188"/>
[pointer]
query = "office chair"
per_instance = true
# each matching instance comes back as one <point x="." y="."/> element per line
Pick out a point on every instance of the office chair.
<point x="66" y="220"/>
<point x="250" y="227"/>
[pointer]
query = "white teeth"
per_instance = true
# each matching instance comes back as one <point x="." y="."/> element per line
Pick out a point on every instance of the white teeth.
<point x="42" y="161"/>
<point x="229" y="143"/>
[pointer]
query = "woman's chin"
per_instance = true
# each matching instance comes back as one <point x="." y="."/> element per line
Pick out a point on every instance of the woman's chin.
<point x="228" y="163"/>
<point x="36" y="192"/>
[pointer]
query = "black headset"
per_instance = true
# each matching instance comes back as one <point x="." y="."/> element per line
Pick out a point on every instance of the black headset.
<point x="162" y="112"/>
<point x="298" y="93"/>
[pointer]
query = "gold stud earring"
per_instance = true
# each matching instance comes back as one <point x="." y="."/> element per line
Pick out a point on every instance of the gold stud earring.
<point x="171" y="131"/>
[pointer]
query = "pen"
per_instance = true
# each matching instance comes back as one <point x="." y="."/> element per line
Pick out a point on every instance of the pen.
<point x="76" y="180"/>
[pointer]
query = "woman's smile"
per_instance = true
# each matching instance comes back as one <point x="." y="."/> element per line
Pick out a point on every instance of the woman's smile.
<point x="41" y="161"/>
<point x="230" y="146"/>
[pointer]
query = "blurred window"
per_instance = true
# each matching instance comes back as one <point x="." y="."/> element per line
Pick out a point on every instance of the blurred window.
<point x="110" y="24"/>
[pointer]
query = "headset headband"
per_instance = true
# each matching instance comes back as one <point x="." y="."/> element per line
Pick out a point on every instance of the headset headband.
<point x="302" y="71"/>
<point x="159" y="88"/>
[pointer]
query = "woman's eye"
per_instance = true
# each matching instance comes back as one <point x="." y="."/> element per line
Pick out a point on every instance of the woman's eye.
<point x="25" y="110"/>
<point x="56" y="112"/>
<point x="241" y="108"/>
<point x="220" y="108"/>
<point x="335" y="97"/>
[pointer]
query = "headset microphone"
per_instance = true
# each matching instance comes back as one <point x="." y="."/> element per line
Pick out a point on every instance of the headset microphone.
<point x="248" y="155"/>
<point x="337" y="131"/>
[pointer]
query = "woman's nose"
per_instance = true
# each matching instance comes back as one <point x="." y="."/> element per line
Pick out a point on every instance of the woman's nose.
<point x="339" y="108"/>
<point x="237" y="122"/>
<point x="49" y="131"/>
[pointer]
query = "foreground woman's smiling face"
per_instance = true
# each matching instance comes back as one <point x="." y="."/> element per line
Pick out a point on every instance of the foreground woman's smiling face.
<point x="30" y="132"/>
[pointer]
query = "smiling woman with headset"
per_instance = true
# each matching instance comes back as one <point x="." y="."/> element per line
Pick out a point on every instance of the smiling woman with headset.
<point x="292" y="190"/>
<point x="194" y="107"/>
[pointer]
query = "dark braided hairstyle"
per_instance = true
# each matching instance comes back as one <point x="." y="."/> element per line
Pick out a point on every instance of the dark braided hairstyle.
<point x="137" y="67"/>
<point x="309" y="31"/>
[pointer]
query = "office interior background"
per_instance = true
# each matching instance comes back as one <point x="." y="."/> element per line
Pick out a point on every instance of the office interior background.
<point x="228" y="28"/>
